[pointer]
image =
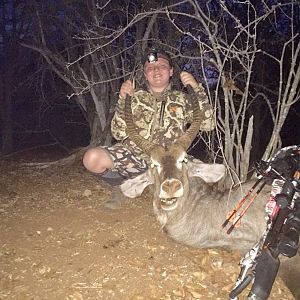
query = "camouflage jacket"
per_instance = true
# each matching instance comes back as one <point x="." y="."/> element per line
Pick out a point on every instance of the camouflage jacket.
<point x="160" y="117"/>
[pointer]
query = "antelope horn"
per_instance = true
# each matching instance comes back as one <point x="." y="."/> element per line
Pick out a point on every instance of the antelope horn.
<point x="144" y="144"/>
<point x="187" y="138"/>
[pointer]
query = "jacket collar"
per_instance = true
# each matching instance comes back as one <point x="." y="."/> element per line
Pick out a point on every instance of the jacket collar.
<point x="162" y="95"/>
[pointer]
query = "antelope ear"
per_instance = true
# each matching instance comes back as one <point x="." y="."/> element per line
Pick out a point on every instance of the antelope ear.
<point x="210" y="173"/>
<point x="134" y="187"/>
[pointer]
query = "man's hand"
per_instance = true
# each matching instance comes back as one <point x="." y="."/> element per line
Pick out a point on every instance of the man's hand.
<point x="126" y="89"/>
<point x="188" y="79"/>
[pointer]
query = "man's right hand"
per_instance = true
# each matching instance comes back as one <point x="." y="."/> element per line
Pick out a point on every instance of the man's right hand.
<point x="126" y="89"/>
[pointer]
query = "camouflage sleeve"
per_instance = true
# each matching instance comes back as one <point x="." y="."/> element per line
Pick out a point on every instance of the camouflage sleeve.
<point x="208" y="122"/>
<point x="118" y="126"/>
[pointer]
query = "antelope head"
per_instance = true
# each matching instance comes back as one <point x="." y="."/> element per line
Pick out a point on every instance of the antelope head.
<point x="168" y="165"/>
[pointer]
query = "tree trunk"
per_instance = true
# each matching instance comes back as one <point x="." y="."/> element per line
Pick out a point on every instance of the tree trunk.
<point x="6" y="111"/>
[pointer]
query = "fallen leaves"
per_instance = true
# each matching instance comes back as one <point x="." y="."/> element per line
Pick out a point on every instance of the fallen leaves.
<point x="58" y="243"/>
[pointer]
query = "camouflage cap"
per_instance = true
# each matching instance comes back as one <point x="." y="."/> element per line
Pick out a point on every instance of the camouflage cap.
<point x="153" y="54"/>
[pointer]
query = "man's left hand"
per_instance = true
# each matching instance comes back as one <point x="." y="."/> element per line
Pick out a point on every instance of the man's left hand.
<point x="188" y="79"/>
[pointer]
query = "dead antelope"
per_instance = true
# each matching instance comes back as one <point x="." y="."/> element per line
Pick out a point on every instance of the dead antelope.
<point x="189" y="211"/>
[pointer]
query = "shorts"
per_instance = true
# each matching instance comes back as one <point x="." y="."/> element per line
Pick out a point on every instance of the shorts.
<point x="126" y="165"/>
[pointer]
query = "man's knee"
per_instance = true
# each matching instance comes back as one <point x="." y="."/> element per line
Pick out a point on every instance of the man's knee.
<point x="97" y="160"/>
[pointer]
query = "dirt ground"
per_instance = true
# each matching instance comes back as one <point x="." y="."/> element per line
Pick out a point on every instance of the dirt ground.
<point x="58" y="242"/>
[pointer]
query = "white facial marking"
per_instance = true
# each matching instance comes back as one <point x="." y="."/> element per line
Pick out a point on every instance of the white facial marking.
<point x="156" y="164"/>
<point x="181" y="159"/>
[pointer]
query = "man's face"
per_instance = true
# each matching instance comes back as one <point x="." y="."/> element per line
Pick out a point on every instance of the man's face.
<point x="158" y="74"/>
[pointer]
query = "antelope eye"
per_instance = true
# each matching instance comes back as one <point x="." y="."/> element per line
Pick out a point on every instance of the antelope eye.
<point x="180" y="161"/>
<point x="155" y="164"/>
<point x="183" y="159"/>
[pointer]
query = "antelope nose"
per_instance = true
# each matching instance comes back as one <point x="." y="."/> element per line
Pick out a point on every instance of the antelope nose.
<point x="171" y="188"/>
